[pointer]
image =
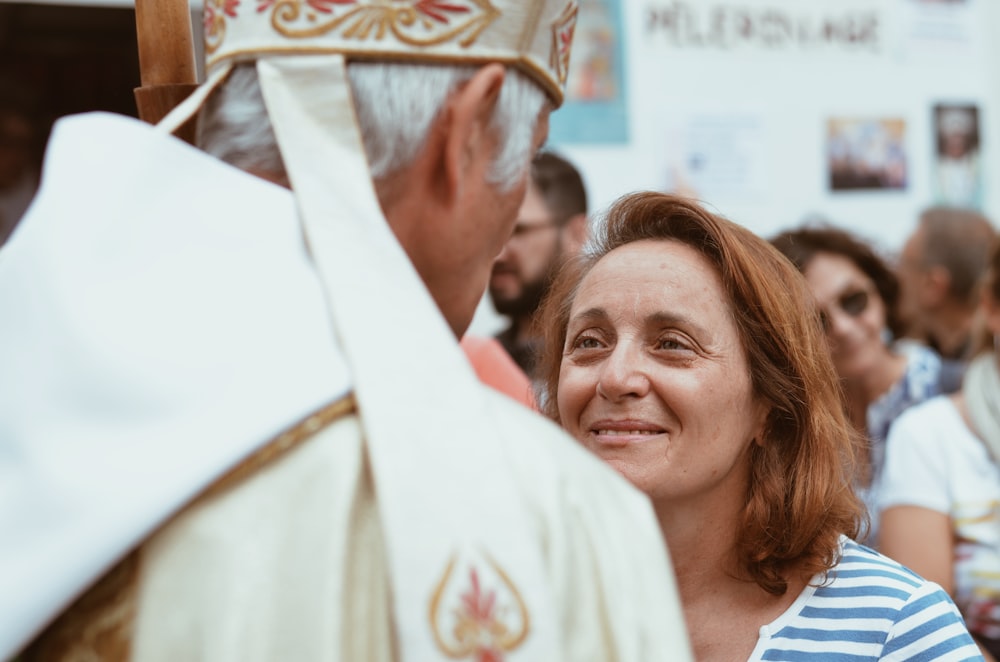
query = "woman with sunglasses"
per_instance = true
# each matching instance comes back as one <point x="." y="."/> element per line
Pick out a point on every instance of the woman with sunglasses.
<point x="858" y="296"/>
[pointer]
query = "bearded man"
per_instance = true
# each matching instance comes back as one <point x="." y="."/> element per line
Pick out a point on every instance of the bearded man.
<point x="551" y="226"/>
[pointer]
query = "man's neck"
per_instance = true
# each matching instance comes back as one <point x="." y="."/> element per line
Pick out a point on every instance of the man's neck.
<point x="949" y="334"/>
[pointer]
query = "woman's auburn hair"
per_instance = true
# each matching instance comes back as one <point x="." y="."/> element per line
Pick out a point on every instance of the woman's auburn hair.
<point x="801" y="497"/>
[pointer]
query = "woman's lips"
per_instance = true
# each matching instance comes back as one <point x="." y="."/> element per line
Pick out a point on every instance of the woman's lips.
<point x="623" y="433"/>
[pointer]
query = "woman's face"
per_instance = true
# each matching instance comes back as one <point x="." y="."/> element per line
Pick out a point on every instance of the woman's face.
<point x="853" y="313"/>
<point x="654" y="379"/>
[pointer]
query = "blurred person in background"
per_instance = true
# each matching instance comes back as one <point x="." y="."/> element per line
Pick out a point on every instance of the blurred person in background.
<point x="941" y="484"/>
<point x="551" y="226"/>
<point x="858" y="296"/>
<point x="939" y="270"/>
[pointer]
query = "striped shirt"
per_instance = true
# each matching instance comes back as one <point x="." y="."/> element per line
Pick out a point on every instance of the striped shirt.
<point x="869" y="608"/>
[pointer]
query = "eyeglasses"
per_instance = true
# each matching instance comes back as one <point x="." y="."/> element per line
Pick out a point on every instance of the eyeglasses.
<point x="853" y="304"/>
<point x="527" y="227"/>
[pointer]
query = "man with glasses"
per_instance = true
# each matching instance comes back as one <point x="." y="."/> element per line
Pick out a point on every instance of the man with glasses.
<point x="551" y="226"/>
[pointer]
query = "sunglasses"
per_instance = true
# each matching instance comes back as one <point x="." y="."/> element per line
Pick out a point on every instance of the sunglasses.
<point x="853" y="304"/>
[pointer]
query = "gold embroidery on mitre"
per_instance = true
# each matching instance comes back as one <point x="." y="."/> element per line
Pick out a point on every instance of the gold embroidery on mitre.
<point x="488" y="618"/>
<point x="412" y="22"/>
<point x="562" y="40"/>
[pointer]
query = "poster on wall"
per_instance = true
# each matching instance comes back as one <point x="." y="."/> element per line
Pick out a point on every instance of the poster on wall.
<point x="957" y="170"/>
<point x="717" y="156"/>
<point x="595" y="110"/>
<point x="943" y="32"/>
<point x="866" y="153"/>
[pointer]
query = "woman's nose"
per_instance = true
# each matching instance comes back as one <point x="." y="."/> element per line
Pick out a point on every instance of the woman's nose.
<point x="623" y="374"/>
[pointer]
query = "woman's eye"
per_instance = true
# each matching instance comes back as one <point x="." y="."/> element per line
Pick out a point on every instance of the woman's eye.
<point x="670" y="344"/>
<point x="587" y="343"/>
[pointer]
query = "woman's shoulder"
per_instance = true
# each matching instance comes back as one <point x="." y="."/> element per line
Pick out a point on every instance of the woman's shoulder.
<point x="872" y="606"/>
<point x="863" y="569"/>
<point x="866" y="583"/>
<point x="854" y="554"/>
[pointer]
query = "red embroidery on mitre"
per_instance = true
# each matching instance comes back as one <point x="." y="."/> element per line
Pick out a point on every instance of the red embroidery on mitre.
<point x="438" y="9"/>
<point x="417" y="23"/>
<point x="473" y="620"/>
<point x="214" y="17"/>
<point x="562" y="40"/>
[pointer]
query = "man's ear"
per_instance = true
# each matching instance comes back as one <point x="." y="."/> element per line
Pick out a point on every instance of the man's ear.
<point x="467" y="128"/>
<point x="575" y="233"/>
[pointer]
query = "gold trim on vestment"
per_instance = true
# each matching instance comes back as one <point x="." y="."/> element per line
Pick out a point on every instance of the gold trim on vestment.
<point x="98" y="625"/>
<point x="284" y="443"/>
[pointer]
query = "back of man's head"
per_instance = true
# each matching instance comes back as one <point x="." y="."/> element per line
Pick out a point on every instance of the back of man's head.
<point x="958" y="240"/>
<point x="395" y="105"/>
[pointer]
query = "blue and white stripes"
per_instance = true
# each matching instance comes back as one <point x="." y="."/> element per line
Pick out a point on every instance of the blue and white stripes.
<point x="869" y="608"/>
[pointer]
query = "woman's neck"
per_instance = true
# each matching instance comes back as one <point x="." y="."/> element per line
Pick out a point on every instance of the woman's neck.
<point x="723" y="612"/>
<point x="865" y="389"/>
<point x="702" y="546"/>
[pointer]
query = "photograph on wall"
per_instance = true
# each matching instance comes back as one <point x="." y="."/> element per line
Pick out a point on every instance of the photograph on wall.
<point x="866" y="153"/>
<point x="595" y="108"/>
<point x="957" y="170"/>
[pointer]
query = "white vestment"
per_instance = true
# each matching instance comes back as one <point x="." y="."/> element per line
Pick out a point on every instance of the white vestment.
<point x="163" y="321"/>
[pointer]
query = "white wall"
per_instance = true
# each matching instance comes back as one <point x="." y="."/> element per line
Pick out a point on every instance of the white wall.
<point x="775" y="101"/>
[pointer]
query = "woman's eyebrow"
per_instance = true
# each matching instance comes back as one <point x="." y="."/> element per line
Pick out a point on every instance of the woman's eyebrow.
<point x="674" y="319"/>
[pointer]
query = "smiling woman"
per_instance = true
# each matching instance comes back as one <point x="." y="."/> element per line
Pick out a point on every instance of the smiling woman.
<point x="687" y="353"/>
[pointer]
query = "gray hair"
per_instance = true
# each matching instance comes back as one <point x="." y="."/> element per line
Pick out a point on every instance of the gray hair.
<point x="395" y="105"/>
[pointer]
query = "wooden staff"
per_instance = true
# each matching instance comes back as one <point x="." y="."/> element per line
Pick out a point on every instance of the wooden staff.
<point x="166" y="60"/>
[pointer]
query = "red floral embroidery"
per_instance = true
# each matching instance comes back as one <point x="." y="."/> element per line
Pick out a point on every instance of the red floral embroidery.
<point x="566" y="40"/>
<point x="478" y="607"/>
<point x="489" y="656"/>
<point x="437" y="9"/>
<point x="486" y="624"/>
<point x="562" y="41"/>
<point x="326" y="6"/>
<point x="213" y="15"/>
